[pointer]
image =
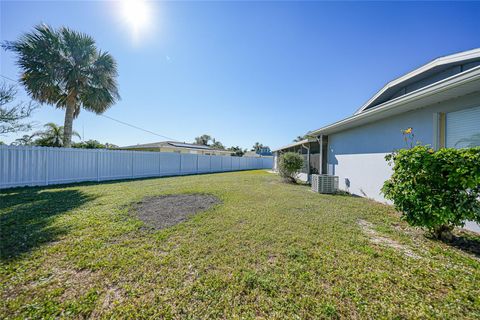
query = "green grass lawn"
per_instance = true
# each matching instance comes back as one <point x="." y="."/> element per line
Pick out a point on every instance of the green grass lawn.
<point x="269" y="250"/>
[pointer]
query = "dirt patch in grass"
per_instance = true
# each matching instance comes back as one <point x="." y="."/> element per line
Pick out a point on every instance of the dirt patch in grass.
<point x="165" y="211"/>
<point x="375" y="238"/>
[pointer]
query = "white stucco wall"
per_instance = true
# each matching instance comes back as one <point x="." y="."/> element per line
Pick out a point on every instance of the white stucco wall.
<point x="357" y="156"/>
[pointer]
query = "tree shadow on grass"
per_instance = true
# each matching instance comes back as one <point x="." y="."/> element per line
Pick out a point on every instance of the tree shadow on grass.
<point x="465" y="242"/>
<point x="27" y="214"/>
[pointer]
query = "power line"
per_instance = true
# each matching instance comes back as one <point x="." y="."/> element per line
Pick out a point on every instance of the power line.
<point x="113" y="119"/>
<point x="134" y="126"/>
<point x="8" y="78"/>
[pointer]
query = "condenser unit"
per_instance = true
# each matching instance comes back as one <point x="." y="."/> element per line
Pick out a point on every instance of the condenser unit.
<point x="324" y="183"/>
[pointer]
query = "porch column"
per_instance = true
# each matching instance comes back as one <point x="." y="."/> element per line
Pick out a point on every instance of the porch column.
<point x="320" y="143"/>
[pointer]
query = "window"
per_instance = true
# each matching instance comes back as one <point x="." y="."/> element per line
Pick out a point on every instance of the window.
<point x="463" y="128"/>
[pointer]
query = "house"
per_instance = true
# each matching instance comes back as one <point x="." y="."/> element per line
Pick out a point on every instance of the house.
<point x="179" y="147"/>
<point x="440" y="101"/>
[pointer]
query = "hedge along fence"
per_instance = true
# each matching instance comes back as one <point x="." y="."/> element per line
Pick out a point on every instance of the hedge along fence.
<point x="437" y="190"/>
<point x="38" y="166"/>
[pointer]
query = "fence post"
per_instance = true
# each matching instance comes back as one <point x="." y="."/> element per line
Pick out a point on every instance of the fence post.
<point x="197" y="164"/>
<point x="132" y="162"/>
<point x="159" y="163"/>
<point x="97" y="157"/>
<point x="46" y="153"/>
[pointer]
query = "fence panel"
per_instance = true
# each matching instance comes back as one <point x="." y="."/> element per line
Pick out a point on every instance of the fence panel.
<point x="145" y="164"/>
<point x="226" y="163"/>
<point x="235" y="163"/>
<point x="22" y="166"/>
<point x="113" y="165"/>
<point x="71" y="165"/>
<point x="216" y="162"/>
<point x="36" y="166"/>
<point x="267" y="162"/>
<point x="170" y="163"/>
<point x="243" y="163"/>
<point x="189" y="163"/>
<point x="203" y="163"/>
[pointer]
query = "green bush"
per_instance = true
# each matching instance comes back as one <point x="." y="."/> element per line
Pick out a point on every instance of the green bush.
<point x="289" y="165"/>
<point x="436" y="190"/>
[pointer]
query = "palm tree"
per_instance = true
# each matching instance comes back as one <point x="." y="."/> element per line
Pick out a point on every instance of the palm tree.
<point x="257" y="146"/>
<point x="64" y="68"/>
<point x="25" y="140"/>
<point x="52" y="136"/>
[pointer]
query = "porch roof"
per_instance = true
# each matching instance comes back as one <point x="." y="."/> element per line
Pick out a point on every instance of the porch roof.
<point x="291" y="145"/>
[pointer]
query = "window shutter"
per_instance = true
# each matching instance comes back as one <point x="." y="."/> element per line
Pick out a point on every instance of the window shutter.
<point x="463" y="128"/>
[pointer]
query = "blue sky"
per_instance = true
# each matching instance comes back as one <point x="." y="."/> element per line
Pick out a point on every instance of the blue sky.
<point x="246" y="72"/>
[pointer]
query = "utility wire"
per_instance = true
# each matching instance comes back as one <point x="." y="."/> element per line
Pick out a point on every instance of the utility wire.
<point x="113" y="119"/>
<point x="134" y="126"/>
<point x="8" y="78"/>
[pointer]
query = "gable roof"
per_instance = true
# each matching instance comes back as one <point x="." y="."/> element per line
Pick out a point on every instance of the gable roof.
<point x="465" y="60"/>
<point x="460" y="84"/>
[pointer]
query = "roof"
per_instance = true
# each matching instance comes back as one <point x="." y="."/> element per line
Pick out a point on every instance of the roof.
<point x="436" y="66"/>
<point x="298" y="143"/>
<point x="460" y="84"/>
<point x="174" y="144"/>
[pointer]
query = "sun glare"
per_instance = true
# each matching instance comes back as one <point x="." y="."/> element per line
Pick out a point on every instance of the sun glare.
<point x="137" y="14"/>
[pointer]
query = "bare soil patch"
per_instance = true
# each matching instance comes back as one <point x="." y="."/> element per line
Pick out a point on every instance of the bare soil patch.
<point x="375" y="238"/>
<point x="165" y="211"/>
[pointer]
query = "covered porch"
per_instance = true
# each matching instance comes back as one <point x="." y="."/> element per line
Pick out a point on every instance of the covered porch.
<point x="313" y="151"/>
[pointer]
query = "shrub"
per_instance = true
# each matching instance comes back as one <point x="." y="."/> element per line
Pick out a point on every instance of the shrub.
<point x="436" y="190"/>
<point x="289" y="165"/>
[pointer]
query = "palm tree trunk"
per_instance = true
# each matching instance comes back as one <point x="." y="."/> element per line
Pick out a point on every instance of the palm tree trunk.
<point x="68" y="125"/>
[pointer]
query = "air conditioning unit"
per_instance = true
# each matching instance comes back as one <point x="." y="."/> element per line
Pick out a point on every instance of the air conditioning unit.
<point x="324" y="183"/>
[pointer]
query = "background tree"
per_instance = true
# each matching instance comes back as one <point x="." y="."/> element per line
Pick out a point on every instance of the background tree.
<point x="12" y="116"/>
<point x="25" y="140"/>
<point x="64" y="68"/>
<point x="52" y="136"/>
<point x="93" y="144"/>
<point x="110" y="146"/>
<point x="203" y="140"/>
<point x="299" y="138"/>
<point x="257" y="146"/>
<point x="217" y="145"/>
<point x="237" y="151"/>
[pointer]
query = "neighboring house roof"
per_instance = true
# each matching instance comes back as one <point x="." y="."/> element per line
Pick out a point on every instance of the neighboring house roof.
<point x="174" y="144"/>
<point x="460" y="84"/>
<point x="437" y="69"/>
<point x="293" y="144"/>
<point x="251" y="154"/>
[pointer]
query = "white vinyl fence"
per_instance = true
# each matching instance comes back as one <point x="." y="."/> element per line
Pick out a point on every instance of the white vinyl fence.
<point x="39" y="166"/>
